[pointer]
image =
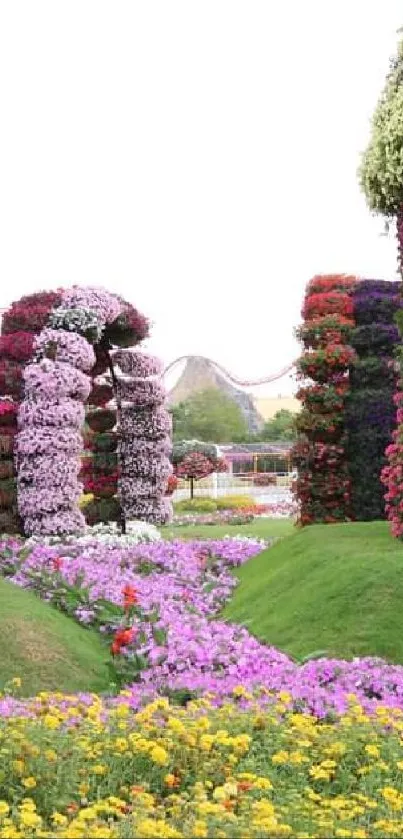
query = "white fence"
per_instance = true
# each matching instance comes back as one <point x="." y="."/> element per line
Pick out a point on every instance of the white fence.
<point x="218" y="486"/>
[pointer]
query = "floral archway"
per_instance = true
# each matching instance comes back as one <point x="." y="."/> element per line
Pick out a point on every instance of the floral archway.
<point x="56" y="350"/>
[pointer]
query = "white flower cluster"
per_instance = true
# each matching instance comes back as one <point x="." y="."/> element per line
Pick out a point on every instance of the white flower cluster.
<point x="83" y="321"/>
<point x="138" y="532"/>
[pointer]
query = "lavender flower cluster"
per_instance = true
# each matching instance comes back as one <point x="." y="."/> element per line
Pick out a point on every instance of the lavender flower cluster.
<point x="149" y="425"/>
<point x="105" y="305"/>
<point x="145" y="440"/>
<point x="141" y="393"/>
<point x="68" y="346"/>
<point x="138" y="364"/>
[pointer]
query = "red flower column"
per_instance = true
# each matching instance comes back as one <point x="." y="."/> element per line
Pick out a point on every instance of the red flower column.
<point x="323" y="486"/>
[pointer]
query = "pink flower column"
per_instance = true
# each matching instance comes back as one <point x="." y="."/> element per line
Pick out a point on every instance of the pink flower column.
<point x="49" y="442"/>
<point x="145" y="438"/>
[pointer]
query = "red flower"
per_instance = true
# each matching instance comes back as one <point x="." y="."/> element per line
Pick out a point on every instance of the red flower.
<point x="129" y="596"/>
<point x="122" y="638"/>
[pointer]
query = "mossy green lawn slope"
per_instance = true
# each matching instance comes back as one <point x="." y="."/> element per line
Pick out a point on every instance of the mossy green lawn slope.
<point x="331" y="588"/>
<point x="47" y="649"/>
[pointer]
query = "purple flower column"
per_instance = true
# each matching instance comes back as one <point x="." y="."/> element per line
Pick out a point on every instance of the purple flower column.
<point x="145" y="438"/>
<point x="49" y="441"/>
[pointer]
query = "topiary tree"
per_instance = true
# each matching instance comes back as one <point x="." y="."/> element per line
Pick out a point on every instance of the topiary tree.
<point x="194" y="461"/>
<point x="381" y="170"/>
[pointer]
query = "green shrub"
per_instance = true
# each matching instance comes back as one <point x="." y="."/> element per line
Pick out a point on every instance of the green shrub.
<point x="196" y="505"/>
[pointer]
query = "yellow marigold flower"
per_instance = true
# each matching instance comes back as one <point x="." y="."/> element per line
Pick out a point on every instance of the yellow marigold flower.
<point x="156" y="829"/>
<point x="10" y="832"/>
<point x="203" y="722"/>
<point x="121" y="744"/>
<point x="99" y="769"/>
<point x="4" y="808"/>
<point x="50" y="721"/>
<point x="336" y="749"/>
<point x="279" y="758"/>
<point x="241" y="743"/>
<point x="319" y="774"/>
<point x="206" y="742"/>
<point x="27" y="804"/>
<point x="50" y="755"/>
<point x="29" y="783"/>
<point x="18" y="766"/>
<point x="263" y="783"/>
<point x="30" y="819"/>
<point x="372" y="751"/>
<point x="297" y="758"/>
<point x="200" y="829"/>
<point x="159" y="755"/>
<point x="220" y="794"/>
<point x="176" y="725"/>
<point x="239" y="691"/>
<point x="59" y="819"/>
<point x="170" y="780"/>
<point x="87" y="814"/>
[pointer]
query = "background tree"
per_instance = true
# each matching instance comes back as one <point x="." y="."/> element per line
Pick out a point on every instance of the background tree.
<point x="209" y="415"/>
<point x="280" y="427"/>
<point x="381" y="171"/>
<point x="193" y="461"/>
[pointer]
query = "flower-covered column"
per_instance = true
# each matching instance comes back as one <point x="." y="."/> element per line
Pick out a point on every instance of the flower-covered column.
<point x="323" y="485"/>
<point x="20" y="323"/>
<point x="49" y="441"/>
<point x="370" y="410"/>
<point x="51" y="417"/>
<point x="145" y="438"/>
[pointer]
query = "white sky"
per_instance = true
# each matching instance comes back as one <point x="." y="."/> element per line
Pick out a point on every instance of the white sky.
<point x="197" y="156"/>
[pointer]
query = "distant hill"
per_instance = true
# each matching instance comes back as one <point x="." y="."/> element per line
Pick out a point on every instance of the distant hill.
<point x="200" y="374"/>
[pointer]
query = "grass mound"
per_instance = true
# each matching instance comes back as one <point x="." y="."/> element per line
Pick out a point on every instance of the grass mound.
<point x="45" y="648"/>
<point x="336" y="589"/>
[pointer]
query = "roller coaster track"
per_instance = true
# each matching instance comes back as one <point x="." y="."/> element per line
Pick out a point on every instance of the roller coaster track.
<point x="240" y="382"/>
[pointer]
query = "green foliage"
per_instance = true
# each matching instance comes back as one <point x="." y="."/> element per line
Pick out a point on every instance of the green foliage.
<point x="209" y="415"/>
<point x="341" y="584"/>
<point x="381" y="171"/>
<point x="281" y="427"/>
<point x="196" y="505"/>
<point x="260" y="528"/>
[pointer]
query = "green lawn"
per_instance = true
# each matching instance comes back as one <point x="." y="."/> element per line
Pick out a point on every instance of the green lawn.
<point x="45" y="648"/>
<point x="331" y="588"/>
<point x="262" y="528"/>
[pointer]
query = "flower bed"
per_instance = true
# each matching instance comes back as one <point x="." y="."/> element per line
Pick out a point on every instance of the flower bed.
<point x="158" y="604"/>
<point x="94" y="771"/>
